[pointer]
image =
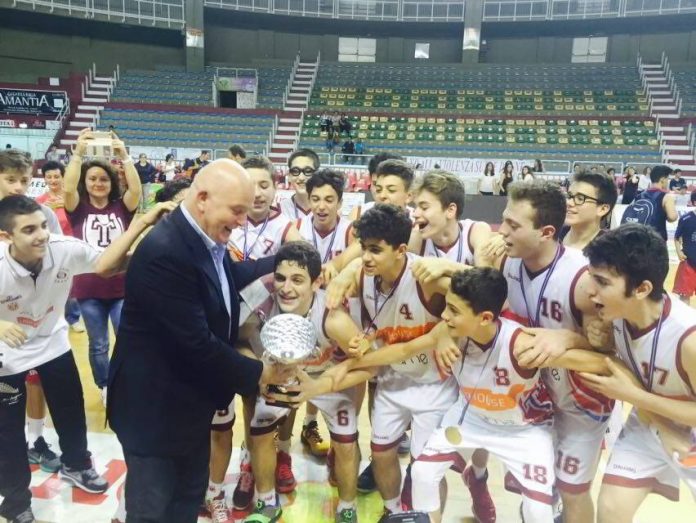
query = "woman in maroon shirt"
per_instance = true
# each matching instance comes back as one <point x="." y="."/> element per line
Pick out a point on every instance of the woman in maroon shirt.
<point x="98" y="215"/>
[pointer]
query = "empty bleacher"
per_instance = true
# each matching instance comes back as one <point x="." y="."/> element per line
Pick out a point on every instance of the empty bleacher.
<point x="685" y="77"/>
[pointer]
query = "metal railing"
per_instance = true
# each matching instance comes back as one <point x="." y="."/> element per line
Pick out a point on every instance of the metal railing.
<point x="288" y="86"/>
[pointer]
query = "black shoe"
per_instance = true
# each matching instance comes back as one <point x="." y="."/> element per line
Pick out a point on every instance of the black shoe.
<point x="43" y="456"/>
<point x="25" y="517"/>
<point x="366" y="481"/>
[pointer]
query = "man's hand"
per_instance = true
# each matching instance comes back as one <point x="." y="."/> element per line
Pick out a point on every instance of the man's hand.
<point x="276" y="374"/>
<point x="119" y="148"/>
<point x="12" y="334"/>
<point x="543" y="346"/>
<point x="681" y="255"/>
<point x="340" y="288"/>
<point x="152" y="216"/>
<point x="600" y="334"/>
<point x="446" y="353"/>
<point x="359" y="345"/>
<point x="82" y="142"/>
<point x="620" y="383"/>
<point x="427" y="270"/>
<point x="306" y="386"/>
<point x="328" y="273"/>
<point x="493" y="249"/>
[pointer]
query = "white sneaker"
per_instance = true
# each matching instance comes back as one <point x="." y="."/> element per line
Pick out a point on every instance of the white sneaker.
<point x="103" y="396"/>
<point x="77" y="327"/>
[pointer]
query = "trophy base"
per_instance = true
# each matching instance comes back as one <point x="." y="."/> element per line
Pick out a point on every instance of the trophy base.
<point x="277" y="389"/>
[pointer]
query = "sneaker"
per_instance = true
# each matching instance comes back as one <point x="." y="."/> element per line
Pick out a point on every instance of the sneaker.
<point x="406" y="495"/>
<point x="385" y="515"/>
<point x="284" y="478"/>
<point x="347" y="515"/>
<point x="43" y="456"/>
<point x="366" y="481"/>
<point x="311" y="439"/>
<point x="268" y="513"/>
<point x="77" y="327"/>
<point x="244" y="491"/>
<point x="331" y="465"/>
<point x="25" y="517"/>
<point x="217" y="507"/>
<point x="87" y="480"/>
<point x="404" y="445"/>
<point x="481" y="503"/>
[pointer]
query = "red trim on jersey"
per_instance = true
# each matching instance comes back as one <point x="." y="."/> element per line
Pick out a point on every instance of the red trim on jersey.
<point x="349" y="230"/>
<point x="458" y="462"/>
<point x="323" y="323"/>
<point x="430" y="306"/>
<point x="325" y="234"/>
<point x="222" y="427"/>
<point x="573" y="488"/>
<point x="577" y="315"/>
<point x="285" y="232"/>
<point x="301" y="209"/>
<point x="343" y="438"/>
<point x="524" y="373"/>
<point x="637" y="333"/>
<point x="446" y="248"/>
<point x="270" y="216"/>
<point x="680" y="367"/>
<point x="512" y="484"/>
<point x="260" y="431"/>
<point x="667" y="491"/>
<point x="422" y="247"/>
<point x="508" y="314"/>
<point x="383" y="447"/>
<point x="468" y="238"/>
<point x="531" y="275"/>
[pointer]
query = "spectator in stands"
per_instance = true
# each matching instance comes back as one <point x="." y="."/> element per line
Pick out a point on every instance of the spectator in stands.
<point x="99" y="215"/>
<point x="644" y="180"/>
<point x="487" y="183"/>
<point x="611" y="172"/>
<point x="538" y="166"/>
<point x="630" y="186"/>
<point x="344" y="125"/>
<point x="191" y="167"/>
<point x="168" y="168"/>
<point x="237" y="153"/>
<point x="506" y="177"/>
<point x="348" y="150"/>
<point x="325" y="122"/>
<point x="52" y="155"/>
<point x="685" y="243"/>
<point x="593" y="169"/>
<point x="677" y="183"/>
<point x="577" y="169"/>
<point x="147" y="174"/>
<point x="360" y="150"/>
<point x="526" y="175"/>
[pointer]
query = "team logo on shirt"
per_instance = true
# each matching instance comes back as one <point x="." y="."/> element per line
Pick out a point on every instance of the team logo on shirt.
<point x="13" y="306"/>
<point x="61" y="276"/>
<point x="10" y="298"/>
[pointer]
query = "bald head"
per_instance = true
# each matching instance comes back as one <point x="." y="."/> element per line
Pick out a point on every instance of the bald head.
<point x="220" y="198"/>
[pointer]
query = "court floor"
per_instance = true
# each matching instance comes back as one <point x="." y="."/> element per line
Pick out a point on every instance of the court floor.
<point x="314" y="500"/>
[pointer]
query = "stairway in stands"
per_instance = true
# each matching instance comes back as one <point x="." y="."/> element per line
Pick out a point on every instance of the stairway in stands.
<point x="295" y="104"/>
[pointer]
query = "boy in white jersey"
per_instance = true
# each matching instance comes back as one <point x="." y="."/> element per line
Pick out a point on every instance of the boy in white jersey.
<point x="302" y="164"/>
<point x="655" y="336"/>
<point x="547" y="287"/>
<point x="372" y="166"/>
<point x="296" y="290"/>
<point x="35" y="280"/>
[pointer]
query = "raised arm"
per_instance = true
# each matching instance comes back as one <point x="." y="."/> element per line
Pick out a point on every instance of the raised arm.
<point x="131" y="198"/>
<point x="71" y="197"/>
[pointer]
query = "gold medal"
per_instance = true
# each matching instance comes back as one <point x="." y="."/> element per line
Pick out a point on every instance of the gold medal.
<point x="453" y="435"/>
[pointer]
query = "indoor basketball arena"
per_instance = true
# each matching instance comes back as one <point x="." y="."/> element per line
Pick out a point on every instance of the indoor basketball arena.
<point x="311" y="261"/>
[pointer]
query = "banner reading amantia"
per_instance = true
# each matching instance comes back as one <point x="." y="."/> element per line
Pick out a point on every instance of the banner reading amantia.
<point x="30" y="101"/>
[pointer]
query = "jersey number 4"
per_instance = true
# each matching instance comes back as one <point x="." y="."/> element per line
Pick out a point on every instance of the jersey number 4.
<point x="405" y="311"/>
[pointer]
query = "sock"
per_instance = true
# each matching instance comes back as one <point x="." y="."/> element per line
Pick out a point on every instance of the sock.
<point x="393" y="505"/>
<point x="34" y="430"/>
<point x="284" y="445"/>
<point x="309" y="418"/>
<point x="269" y="498"/>
<point x="479" y="472"/>
<point x="342" y="505"/>
<point x="213" y="491"/>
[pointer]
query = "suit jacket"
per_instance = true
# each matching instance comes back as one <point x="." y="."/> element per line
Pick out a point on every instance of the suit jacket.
<point x="173" y="364"/>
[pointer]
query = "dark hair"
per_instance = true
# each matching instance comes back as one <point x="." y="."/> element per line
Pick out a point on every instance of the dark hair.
<point x="397" y="168"/>
<point x="634" y="251"/>
<point x="259" y="162"/>
<point x="485" y="169"/>
<point x="302" y="253"/>
<point x="611" y="170"/>
<point x="13" y="206"/>
<point x="168" y="157"/>
<point x="171" y="189"/>
<point x="379" y="158"/>
<point x="384" y="222"/>
<point x="483" y="288"/>
<point x="114" y="193"/>
<point x="237" y="150"/>
<point x="606" y="188"/>
<point x="659" y="172"/>
<point x="446" y="187"/>
<point x="327" y="177"/>
<point x="693" y="197"/>
<point x="547" y="200"/>
<point x="305" y="153"/>
<point x="15" y="161"/>
<point x="204" y="151"/>
<point x="53" y="166"/>
<point x="676" y="171"/>
<point x="505" y="166"/>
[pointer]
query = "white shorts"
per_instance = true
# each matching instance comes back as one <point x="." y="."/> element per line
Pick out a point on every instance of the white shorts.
<point x="526" y="451"/>
<point x="639" y="460"/>
<point x="578" y="441"/>
<point x="338" y="409"/>
<point x="400" y="401"/>
<point x="223" y="420"/>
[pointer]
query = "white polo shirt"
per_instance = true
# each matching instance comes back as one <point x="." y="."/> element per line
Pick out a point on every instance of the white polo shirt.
<point x="37" y="306"/>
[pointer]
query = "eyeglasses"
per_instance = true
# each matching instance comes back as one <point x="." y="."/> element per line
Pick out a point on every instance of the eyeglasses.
<point x="579" y="198"/>
<point x="307" y="171"/>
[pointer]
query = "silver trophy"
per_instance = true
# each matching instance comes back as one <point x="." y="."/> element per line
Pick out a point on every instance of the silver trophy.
<point x="287" y="339"/>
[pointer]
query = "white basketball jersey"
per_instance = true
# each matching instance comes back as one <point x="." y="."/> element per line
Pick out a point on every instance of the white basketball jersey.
<point x="546" y="299"/>
<point x="291" y="210"/>
<point x="258" y="239"/>
<point x="496" y="388"/>
<point x="460" y="251"/>
<point x="330" y="244"/>
<point x="635" y="349"/>
<point x="403" y="309"/>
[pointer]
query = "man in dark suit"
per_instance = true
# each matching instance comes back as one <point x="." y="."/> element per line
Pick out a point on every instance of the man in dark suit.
<point x="174" y="364"/>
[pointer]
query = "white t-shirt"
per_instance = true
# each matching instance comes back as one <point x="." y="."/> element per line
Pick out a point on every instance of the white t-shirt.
<point x="37" y="306"/>
<point x="486" y="183"/>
